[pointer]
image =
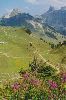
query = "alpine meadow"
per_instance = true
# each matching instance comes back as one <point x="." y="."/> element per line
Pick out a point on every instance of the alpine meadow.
<point x="32" y="50"/>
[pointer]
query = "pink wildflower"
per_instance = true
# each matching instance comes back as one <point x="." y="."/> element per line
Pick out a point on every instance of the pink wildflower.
<point x="26" y="76"/>
<point x="53" y="85"/>
<point x="15" y="86"/>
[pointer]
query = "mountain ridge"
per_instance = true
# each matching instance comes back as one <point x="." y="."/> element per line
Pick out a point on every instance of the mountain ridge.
<point x="56" y="19"/>
<point x="38" y="24"/>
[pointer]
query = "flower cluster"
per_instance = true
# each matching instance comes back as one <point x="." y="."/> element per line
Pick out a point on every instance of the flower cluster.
<point x="26" y="76"/>
<point x="52" y="84"/>
<point x="32" y="87"/>
<point x="15" y="86"/>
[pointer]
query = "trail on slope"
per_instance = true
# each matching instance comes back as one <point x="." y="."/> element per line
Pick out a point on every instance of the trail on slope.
<point x="46" y="61"/>
<point x="14" y="57"/>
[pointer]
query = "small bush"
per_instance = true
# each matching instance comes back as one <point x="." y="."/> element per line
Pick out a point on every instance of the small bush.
<point x="46" y="71"/>
<point x="28" y="31"/>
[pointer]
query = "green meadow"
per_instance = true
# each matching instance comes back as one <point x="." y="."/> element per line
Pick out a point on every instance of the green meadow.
<point x="18" y="48"/>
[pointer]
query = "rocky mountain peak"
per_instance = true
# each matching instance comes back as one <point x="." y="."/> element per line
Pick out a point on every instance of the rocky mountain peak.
<point x="12" y="13"/>
<point x="51" y="8"/>
<point x="15" y="12"/>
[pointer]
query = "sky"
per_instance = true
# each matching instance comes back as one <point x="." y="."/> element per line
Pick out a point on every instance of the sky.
<point x="34" y="7"/>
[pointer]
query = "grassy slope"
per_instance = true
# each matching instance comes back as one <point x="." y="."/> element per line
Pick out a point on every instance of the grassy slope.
<point x="16" y="52"/>
<point x="49" y="34"/>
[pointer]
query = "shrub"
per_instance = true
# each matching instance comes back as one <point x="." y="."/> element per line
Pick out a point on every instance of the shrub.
<point x="28" y="31"/>
<point x="41" y="39"/>
<point x="46" y="71"/>
<point x="33" y="65"/>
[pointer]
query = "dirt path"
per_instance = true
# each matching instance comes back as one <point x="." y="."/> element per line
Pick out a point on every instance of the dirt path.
<point x="47" y="62"/>
<point x="14" y="57"/>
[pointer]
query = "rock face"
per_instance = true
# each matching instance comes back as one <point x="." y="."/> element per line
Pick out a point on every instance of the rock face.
<point x="56" y="19"/>
<point x="16" y="19"/>
<point x="12" y="13"/>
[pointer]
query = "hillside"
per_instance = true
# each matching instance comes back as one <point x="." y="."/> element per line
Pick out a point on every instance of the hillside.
<point x="18" y="48"/>
<point x="32" y="50"/>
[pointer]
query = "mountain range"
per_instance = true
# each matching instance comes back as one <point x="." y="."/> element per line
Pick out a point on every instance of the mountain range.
<point x="54" y="20"/>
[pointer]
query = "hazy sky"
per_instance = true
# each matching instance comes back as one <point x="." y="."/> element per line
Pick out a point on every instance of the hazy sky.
<point x="31" y="6"/>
